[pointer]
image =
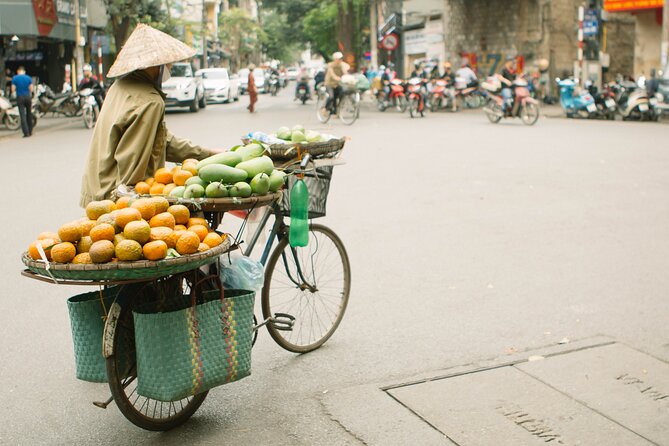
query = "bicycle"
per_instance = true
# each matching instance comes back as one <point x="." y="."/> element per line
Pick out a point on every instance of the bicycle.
<point x="318" y="275"/>
<point x="348" y="107"/>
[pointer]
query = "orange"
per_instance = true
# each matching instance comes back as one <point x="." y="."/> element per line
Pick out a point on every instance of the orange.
<point x="200" y="230"/>
<point x="157" y="189"/>
<point x="110" y="204"/>
<point x="190" y="161"/>
<point x="155" y="250"/>
<point x="180" y="176"/>
<point x="103" y="231"/>
<point x="126" y="215"/>
<point x="128" y="250"/>
<point x="142" y="188"/>
<point x="189" y="167"/>
<point x="123" y="202"/>
<point x="180" y="228"/>
<point x="203" y="247"/>
<point x="174" y="237"/>
<point x="162" y="219"/>
<point x="82" y="258"/>
<point x="188" y="243"/>
<point x="70" y="232"/>
<point x="180" y="212"/>
<point x="160" y="203"/>
<point x="51" y="235"/>
<point x="145" y="207"/>
<point x="213" y="239"/>
<point x="150" y="181"/>
<point x="197" y="221"/>
<point x="174" y="169"/>
<point x="101" y="251"/>
<point x="46" y="244"/>
<point x="95" y="209"/>
<point x="168" y="188"/>
<point x="140" y="231"/>
<point x="163" y="175"/>
<point x="84" y="244"/>
<point x="86" y="226"/>
<point x="161" y="233"/>
<point x="118" y="238"/>
<point x="63" y="252"/>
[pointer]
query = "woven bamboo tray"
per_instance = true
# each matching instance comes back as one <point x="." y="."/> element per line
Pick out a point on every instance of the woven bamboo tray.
<point x="288" y="150"/>
<point x="227" y="204"/>
<point x="141" y="269"/>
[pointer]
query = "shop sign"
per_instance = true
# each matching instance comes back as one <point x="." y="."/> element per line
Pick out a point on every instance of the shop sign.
<point x="631" y="5"/>
<point x="590" y="23"/>
<point x="45" y="16"/>
<point x="415" y="42"/>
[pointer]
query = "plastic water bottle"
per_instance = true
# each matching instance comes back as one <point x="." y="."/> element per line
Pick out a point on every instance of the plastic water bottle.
<point x="299" y="215"/>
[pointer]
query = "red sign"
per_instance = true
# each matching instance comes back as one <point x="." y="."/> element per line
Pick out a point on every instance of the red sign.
<point x="45" y="16"/>
<point x="390" y="42"/>
<point x="631" y="5"/>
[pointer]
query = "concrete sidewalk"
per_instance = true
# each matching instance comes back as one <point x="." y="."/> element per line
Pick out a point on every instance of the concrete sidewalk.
<point x="44" y="125"/>
<point x="593" y="392"/>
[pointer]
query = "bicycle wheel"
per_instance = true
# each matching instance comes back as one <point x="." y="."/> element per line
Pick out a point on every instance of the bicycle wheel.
<point x="347" y="110"/>
<point x="311" y="284"/>
<point x="144" y="412"/>
<point x="322" y="113"/>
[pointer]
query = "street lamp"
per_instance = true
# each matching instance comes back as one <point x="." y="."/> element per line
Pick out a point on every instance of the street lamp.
<point x="15" y="38"/>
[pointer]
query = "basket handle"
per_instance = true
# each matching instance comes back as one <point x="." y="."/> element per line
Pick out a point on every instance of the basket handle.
<point x="225" y="316"/>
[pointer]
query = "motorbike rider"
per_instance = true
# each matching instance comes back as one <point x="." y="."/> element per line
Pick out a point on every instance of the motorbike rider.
<point x="90" y="81"/>
<point x="466" y="72"/>
<point x="507" y="76"/>
<point x="419" y="71"/>
<point x="303" y="79"/>
<point x="336" y="69"/>
<point x="448" y="77"/>
<point x="130" y="140"/>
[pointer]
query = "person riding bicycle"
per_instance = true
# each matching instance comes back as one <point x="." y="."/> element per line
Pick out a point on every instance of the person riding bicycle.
<point x="507" y="76"/>
<point x="336" y="69"/>
<point x="303" y="79"/>
<point x="90" y="81"/>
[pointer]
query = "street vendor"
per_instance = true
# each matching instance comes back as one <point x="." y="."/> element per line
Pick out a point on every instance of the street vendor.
<point x="130" y="140"/>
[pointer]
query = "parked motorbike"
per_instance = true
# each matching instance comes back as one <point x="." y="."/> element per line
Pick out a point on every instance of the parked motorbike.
<point x="303" y="92"/>
<point x="442" y="96"/>
<point x="274" y="84"/>
<point x="63" y="103"/>
<point x="9" y="115"/>
<point x="417" y="95"/>
<point x="605" y="101"/>
<point x="524" y="105"/>
<point x="574" y="104"/>
<point x="393" y="97"/>
<point x="633" y="102"/>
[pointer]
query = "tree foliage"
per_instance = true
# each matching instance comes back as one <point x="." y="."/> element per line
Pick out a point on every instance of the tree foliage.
<point x="277" y="43"/>
<point x="320" y="28"/>
<point x="240" y="35"/>
<point x="124" y="15"/>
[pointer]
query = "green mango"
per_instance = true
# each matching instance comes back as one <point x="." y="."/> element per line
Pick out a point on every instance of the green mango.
<point x="313" y="136"/>
<point x="298" y="136"/>
<point x="244" y="189"/>
<point x="216" y="190"/>
<point x="228" y="158"/>
<point x="196" y="180"/>
<point x="250" y="151"/>
<point x="298" y="128"/>
<point x="194" y="191"/>
<point x="222" y="173"/>
<point x="255" y="166"/>
<point x="178" y="192"/>
<point x="260" y="184"/>
<point x="276" y="180"/>
<point x="283" y="133"/>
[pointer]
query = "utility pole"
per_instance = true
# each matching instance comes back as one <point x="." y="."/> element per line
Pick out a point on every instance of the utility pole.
<point x="204" y="35"/>
<point x="79" y="51"/>
<point x="373" y="37"/>
<point x="665" y="35"/>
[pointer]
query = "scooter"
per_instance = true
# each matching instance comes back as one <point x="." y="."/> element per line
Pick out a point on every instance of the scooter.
<point x="9" y="115"/>
<point x="633" y="102"/>
<point x="274" y="84"/>
<point x="442" y="96"/>
<point x="605" y="101"/>
<point x="303" y="92"/>
<point x="576" y="105"/>
<point x="471" y="96"/>
<point x="62" y="103"/>
<point x="415" y="88"/>
<point x="90" y="109"/>
<point x="395" y="98"/>
<point x="524" y="105"/>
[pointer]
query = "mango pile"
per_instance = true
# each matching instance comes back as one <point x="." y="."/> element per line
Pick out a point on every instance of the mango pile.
<point x="299" y="134"/>
<point x="241" y="172"/>
<point x="127" y="230"/>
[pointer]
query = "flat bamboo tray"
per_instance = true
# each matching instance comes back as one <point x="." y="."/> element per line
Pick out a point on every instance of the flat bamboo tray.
<point x="227" y="204"/>
<point x="140" y="269"/>
<point x="288" y="150"/>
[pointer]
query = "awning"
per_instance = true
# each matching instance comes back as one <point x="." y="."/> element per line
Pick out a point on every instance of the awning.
<point x="631" y="5"/>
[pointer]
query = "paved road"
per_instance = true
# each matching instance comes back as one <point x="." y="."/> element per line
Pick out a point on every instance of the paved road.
<point x="468" y="241"/>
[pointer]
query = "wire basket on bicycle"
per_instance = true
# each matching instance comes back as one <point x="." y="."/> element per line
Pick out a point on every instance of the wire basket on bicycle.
<point x="318" y="184"/>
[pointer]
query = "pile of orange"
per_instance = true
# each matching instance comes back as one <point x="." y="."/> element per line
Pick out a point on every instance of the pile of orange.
<point x="127" y="230"/>
<point x="164" y="179"/>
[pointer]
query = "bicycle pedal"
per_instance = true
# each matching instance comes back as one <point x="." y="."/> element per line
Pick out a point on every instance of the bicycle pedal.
<point x="283" y="321"/>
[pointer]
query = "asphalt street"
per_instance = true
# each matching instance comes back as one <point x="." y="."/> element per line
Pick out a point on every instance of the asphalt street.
<point x="468" y="241"/>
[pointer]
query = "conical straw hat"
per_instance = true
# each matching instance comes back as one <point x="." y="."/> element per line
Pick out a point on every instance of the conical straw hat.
<point x="147" y="47"/>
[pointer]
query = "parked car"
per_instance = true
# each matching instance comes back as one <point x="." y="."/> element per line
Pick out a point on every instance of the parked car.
<point x="258" y="75"/>
<point x="292" y="73"/>
<point x="219" y="86"/>
<point x="183" y="89"/>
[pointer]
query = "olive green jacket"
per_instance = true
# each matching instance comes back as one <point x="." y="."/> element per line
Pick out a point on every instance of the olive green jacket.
<point x="130" y="141"/>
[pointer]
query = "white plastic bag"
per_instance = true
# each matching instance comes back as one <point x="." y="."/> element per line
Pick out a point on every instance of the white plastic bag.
<point x="242" y="273"/>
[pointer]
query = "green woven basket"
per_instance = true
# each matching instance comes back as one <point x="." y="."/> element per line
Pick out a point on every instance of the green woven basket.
<point x="188" y="351"/>
<point x="87" y="313"/>
<point x="141" y="269"/>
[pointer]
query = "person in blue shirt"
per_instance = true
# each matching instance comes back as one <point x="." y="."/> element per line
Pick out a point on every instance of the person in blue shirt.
<point x="22" y="86"/>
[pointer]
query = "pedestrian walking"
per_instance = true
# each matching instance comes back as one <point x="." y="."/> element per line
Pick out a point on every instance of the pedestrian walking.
<point x="22" y="85"/>
<point x="130" y="140"/>
<point x="253" y="91"/>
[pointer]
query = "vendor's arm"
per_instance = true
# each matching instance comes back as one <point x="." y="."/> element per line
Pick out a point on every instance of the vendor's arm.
<point x="179" y="149"/>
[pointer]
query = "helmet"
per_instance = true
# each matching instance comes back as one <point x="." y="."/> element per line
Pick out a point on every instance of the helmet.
<point x="382" y="68"/>
<point x="337" y="55"/>
<point x="87" y="67"/>
<point x="447" y="64"/>
<point x="543" y="64"/>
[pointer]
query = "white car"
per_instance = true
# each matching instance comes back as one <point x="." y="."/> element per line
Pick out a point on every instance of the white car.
<point x="219" y="86"/>
<point x="292" y="73"/>
<point x="183" y="89"/>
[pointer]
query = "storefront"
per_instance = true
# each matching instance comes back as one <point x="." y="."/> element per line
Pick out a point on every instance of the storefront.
<point x="40" y="35"/>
